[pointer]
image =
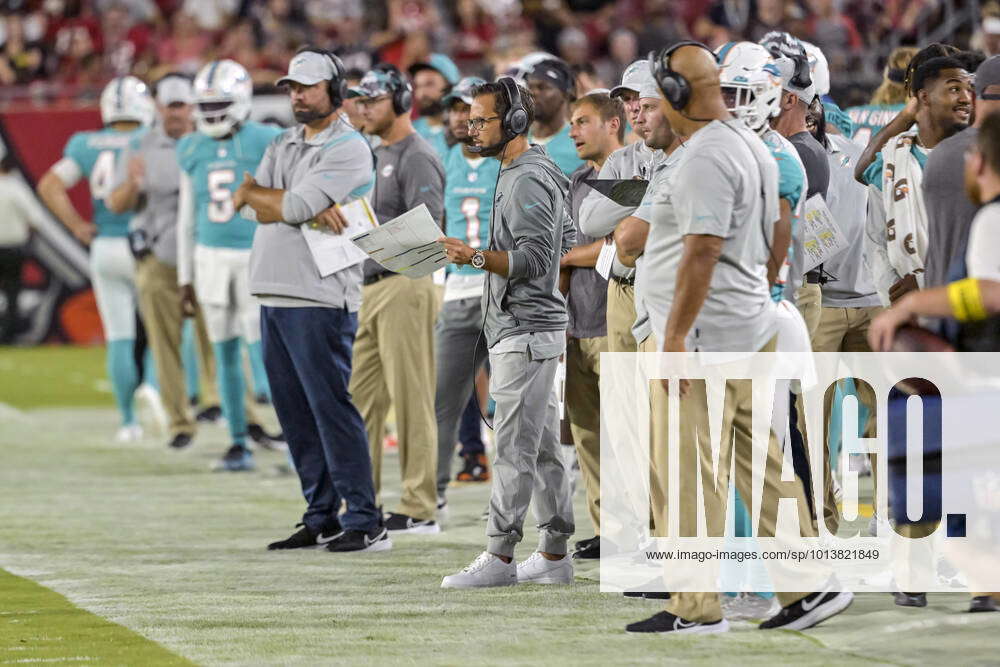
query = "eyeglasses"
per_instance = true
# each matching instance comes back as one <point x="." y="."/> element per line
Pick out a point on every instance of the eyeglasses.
<point x="366" y="102"/>
<point x="478" y="124"/>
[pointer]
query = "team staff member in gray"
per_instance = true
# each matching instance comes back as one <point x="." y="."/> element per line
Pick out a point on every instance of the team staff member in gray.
<point x="600" y="216"/>
<point x="525" y="331"/>
<point x="394" y="351"/>
<point x="308" y="322"/>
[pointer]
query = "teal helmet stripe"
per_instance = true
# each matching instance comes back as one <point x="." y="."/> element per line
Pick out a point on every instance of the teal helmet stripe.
<point x="211" y="73"/>
<point x="724" y="51"/>
<point x="120" y="93"/>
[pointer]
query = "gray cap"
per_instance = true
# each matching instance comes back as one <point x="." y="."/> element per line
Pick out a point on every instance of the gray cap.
<point x="786" y="66"/>
<point x="173" y="90"/>
<point x="633" y="78"/>
<point x="987" y="75"/>
<point x="308" y="68"/>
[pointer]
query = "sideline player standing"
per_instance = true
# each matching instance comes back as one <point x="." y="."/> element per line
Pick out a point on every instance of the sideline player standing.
<point x="214" y="240"/>
<point x="126" y="106"/>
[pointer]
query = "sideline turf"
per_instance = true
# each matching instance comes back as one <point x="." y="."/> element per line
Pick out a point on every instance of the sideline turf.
<point x="54" y="375"/>
<point x="38" y="625"/>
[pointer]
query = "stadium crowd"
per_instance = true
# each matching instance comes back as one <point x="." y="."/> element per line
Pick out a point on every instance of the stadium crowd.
<point x="203" y="214"/>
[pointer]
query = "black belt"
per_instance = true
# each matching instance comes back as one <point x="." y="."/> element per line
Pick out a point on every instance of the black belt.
<point x="624" y="281"/>
<point x="372" y="279"/>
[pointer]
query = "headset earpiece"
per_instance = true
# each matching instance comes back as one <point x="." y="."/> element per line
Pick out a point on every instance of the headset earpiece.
<point x="402" y="95"/>
<point x="515" y="121"/>
<point x="675" y="88"/>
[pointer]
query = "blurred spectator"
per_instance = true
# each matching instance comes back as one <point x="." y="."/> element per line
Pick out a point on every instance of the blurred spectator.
<point x="623" y="49"/>
<point x="211" y="15"/>
<point x="20" y="60"/>
<point x="475" y="33"/>
<point x="126" y="47"/>
<point x="987" y="37"/>
<point x="770" y="15"/>
<point x="186" y="47"/>
<point x="587" y="79"/>
<point x="413" y="29"/>
<point x="241" y="43"/>
<point x="139" y="11"/>
<point x="833" y="32"/>
<point x="660" y="26"/>
<point x="573" y="46"/>
<point x="902" y="18"/>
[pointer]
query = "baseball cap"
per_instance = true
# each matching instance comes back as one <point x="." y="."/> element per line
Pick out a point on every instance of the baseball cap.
<point x="988" y="74"/>
<point x="554" y="71"/>
<point x="787" y="67"/>
<point x="374" y="83"/>
<point x="463" y="90"/>
<point x="174" y="89"/>
<point x="308" y="68"/>
<point x="634" y="77"/>
<point x="441" y="64"/>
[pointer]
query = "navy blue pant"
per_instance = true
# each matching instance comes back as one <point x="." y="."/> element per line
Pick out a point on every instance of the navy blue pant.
<point x="470" y="432"/>
<point x="307" y="355"/>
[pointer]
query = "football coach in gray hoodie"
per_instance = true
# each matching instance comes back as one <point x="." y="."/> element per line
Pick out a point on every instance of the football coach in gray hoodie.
<point x="525" y="331"/>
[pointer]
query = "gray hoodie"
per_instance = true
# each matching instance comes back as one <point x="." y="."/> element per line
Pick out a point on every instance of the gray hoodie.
<point x="530" y="221"/>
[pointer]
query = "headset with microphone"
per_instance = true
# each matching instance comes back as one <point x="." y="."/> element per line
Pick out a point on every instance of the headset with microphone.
<point x="336" y="84"/>
<point x="402" y="91"/>
<point x="514" y="122"/>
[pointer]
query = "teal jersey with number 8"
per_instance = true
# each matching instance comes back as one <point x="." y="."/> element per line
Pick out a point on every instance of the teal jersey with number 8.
<point x="97" y="154"/>
<point x="216" y="167"/>
<point x="468" y="199"/>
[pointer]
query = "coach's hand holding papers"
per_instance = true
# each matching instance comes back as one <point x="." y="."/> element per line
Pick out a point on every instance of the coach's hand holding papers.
<point x="407" y="244"/>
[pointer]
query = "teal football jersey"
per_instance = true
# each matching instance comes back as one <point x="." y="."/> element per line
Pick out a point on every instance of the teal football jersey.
<point x="871" y="118"/>
<point x="97" y="154"/>
<point x="215" y="167"/>
<point x="791" y="187"/>
<point x="433" y="135"/>
<point x="561" y="150"/>
<point x="468" y="199"/>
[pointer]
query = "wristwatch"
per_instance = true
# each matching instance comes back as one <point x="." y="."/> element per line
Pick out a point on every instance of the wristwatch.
<point x="478" y="260"/>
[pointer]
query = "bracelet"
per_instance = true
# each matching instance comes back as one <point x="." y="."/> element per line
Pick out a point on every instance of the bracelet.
<point x="966" y="300"/>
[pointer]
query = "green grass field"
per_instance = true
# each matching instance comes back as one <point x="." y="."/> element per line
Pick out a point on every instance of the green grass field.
<point x="133" y="554"/>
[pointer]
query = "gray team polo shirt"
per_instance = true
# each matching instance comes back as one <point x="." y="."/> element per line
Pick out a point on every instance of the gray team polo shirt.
<point x="949" y="209"/>
<point x="157" y="215"/>
<point x="334" y="166"/>
<point x="726" y="185"/>
<point x="408" y="173"/>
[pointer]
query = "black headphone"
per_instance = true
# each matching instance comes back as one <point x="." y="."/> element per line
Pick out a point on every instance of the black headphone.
<point x="515" y="121"/>
<point x="675" y="88"/>
<point x="402" y="91"/>
<point x="337" y="84"/>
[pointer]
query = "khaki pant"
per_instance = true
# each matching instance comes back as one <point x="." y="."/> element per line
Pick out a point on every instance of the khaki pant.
<point x="737" y="415"/>
<point x="809" y="301"/>
<point x="394" y="365"/>
<point x="583" y="407"/>
<point x="621" y="317"/>
<point x="658" y="448"/>
<point x="160" y="304"/>
<point x="843" y="330"/>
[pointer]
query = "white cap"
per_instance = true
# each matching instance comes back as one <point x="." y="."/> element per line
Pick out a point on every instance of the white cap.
<point x="636" y="78"/>
<point x="786" y="66"/>
<point x="819" y="68"/>
<point x="174" y="89"/>
<point x="308" y="68"/>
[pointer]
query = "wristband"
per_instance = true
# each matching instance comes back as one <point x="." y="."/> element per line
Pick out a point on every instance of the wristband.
<point x="966" y="300"/>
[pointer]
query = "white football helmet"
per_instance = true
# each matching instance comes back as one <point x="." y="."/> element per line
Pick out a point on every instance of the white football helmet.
<point x="223" y="93"/>
<point x="127" y="98"/>
<point x="818" y="67"/>
<point x="749" y="69"/>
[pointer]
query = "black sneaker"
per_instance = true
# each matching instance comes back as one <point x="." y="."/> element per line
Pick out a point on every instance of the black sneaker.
<point x="982" y="603"/>
<point x="236" y="459"/>
<point x="403" y="524"/>
<point x="180" y="441"/>
<point x="809" y="611"/>
<point x="261" y="438"/>
<point x="665" y="622"/>
<point x="910" y="599"/>
<point x="588" y="549"/>
<point x="647" y="595"/>
<point x="376" y="539"/>
<point x="305" y="538"/>
<point x="209" y="415"/>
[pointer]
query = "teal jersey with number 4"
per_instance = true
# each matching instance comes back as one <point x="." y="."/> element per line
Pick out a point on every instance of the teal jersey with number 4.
<point x="216" y="167"/>
<point x="97" y="154"/>
<point x="469" y="185"/>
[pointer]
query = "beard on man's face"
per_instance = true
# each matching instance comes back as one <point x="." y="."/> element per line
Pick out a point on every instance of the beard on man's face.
<point x="430" y="107"/>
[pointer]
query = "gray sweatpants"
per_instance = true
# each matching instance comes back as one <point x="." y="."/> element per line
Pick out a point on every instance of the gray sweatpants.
<point x="528" y="457"/>
<point x="459" y="358"/>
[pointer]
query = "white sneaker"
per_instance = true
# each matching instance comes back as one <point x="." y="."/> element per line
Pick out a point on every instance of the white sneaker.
<point x="154" y="404"/>
<point x="540" y="570"/>
<point x="485" y="572"/>
<point x="129" y="433"/>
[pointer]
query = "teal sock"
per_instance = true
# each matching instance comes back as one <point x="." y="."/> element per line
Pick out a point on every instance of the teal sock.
<point x="149" y="370"/>
<point x="124" y="376"/>
<point x="260" y="383"/>
<point x="189" y="360"/>
<point x="229" y="369"/>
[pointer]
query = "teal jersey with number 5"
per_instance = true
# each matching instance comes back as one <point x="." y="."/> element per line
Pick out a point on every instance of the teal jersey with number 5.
<point x="469" y="185"/>
<point x="97" y="154"/>
<point x="216" y="167"/>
